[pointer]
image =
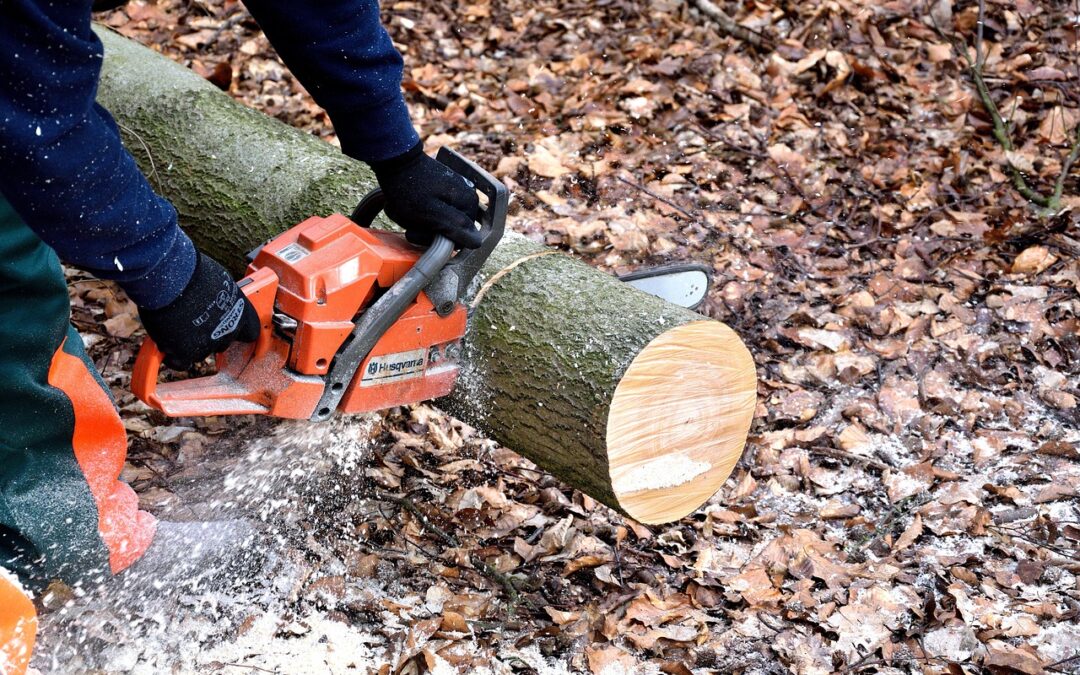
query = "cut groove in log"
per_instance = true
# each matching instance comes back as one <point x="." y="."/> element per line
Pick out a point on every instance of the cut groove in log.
<point x="678" y="420"/>
<point x="557" y="356"/>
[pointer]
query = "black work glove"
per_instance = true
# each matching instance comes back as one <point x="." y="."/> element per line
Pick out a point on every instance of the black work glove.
<point x="427" y="198"/>
<point x="209" y="315"/>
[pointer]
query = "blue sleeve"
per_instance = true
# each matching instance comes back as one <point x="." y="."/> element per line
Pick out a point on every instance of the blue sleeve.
<point x="343" y="56"/>
<point x="62" y="166"/>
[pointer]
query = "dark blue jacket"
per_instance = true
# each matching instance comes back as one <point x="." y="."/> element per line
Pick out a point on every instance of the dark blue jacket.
<point x="64" y="170"/>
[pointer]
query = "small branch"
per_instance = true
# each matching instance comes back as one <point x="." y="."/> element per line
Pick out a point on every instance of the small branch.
<point x="1001" y="133"/>
<point x="1002" y="136"/>
<point x="659" y="198"/>
<point x="1057" y="665"/>
<point x="836" y="453"/>
<point x="244" y="665"/>
<point x="980" y="55"/>
<point x="404" y="503"/>
<point x="729" y="26"/>
<point x="505" y="581"/>
<point x="227" y="24"/>
<point x="1066" y="169"/>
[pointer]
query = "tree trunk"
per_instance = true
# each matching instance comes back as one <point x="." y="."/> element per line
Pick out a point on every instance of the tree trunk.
<point x="643" y="405"/>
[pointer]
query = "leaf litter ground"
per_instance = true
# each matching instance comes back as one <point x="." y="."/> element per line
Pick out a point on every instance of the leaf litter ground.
<point x="908" y="498"/>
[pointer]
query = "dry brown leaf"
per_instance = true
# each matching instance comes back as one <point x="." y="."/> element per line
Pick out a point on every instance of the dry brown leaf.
<point x="543" y="163"/>
<point x="1033" y="260"/>
<point x="609" y="660"/>
<point x="1022" y="659"/>
<point x="122" y="325"/>
<point x="910" y="534"/>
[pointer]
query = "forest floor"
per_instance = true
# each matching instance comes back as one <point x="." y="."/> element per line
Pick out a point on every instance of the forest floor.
<point x="909" y="499"/>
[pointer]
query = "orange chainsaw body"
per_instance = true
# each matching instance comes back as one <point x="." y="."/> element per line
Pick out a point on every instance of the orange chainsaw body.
<point x="308" y="286"/>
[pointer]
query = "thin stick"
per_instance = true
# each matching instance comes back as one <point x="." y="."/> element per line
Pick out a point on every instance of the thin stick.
<point x="843" y="454"/>
<point x="980" y="56"/>
<point x="404" y="503"/>
<point x="506" y="582"/>
<point x="728" y="25"/>
<point x="244" y="665"/>
<point x="1000" y="130"/>
<point x="657" y="197"/>
<point x="1057" y="664"/>
<point x="1066" y="168"/>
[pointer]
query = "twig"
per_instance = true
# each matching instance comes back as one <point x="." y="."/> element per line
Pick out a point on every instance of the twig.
<point x="658" y="198"/>
<point x="728" y="25"/>
<point x="862" y="663"/>
<point x="1066" y="168"/>
<point x="1014" y="531"/>
<point x="1057" y="664"/>
<point x="404" y="503"/>
<point x="244" y="665"/>
<point x="843" y="454"/>
<point x="980" y="24"/>
<point x="505" y="581"/>
<point x="227" y="24"/>
<point x="1001" y="131"/>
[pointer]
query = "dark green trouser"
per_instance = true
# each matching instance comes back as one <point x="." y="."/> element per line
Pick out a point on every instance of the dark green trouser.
<point x="63" y="513"/>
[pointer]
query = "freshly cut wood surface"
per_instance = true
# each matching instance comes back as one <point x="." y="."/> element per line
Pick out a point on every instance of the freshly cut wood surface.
<point x="678" y="420"/>
<point x="557" y="355"/>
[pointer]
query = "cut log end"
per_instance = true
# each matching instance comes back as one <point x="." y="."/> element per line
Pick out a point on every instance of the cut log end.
<point x="678" y="421"/>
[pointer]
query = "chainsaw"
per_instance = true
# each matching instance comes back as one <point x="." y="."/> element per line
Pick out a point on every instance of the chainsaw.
<point x="352" y="319"/>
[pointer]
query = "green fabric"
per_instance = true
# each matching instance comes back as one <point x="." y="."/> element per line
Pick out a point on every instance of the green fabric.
<point x="46" y="509"/>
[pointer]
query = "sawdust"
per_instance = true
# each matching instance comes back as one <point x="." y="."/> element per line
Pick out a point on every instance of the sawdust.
<point x="662" y="472"/>
<point x="292" y="470"/>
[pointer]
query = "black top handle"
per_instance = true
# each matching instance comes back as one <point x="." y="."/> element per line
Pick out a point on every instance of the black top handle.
<point x="450" y="286"/>
<point x="451" y="283"/>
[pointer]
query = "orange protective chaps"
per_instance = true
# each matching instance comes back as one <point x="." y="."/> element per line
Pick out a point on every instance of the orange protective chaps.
<point x="63" y="511"/>
<point x="18" y="626"/>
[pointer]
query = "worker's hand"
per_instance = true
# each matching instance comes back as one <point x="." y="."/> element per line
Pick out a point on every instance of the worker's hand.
<point x="209" y="315"/>
<point x="427" y="198"/>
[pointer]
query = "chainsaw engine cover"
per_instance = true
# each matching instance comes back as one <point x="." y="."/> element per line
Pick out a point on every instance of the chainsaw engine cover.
<point x="309" y="285"/>
<point x="329" y="270"/>
<point x="351" y="319"/>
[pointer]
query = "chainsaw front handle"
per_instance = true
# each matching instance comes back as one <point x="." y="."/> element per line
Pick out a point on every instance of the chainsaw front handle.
<point x="449" y="287"/>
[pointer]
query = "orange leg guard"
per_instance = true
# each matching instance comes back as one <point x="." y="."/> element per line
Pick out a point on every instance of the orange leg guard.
<point x="18" y="627"/>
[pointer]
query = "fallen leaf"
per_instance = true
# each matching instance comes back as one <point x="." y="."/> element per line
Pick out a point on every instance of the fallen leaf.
<point x="1033" y="260"/>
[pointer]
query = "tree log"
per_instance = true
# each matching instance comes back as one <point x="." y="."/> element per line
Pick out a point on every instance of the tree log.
<point x="640" y="404"/>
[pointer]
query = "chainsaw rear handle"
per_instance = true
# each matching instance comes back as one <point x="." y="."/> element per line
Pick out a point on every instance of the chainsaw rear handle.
<point x="453" y="282"/>
<point x="259" y="288"/>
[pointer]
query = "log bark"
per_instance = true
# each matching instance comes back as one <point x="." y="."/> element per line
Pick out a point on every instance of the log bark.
<point x="640" y="404"/>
